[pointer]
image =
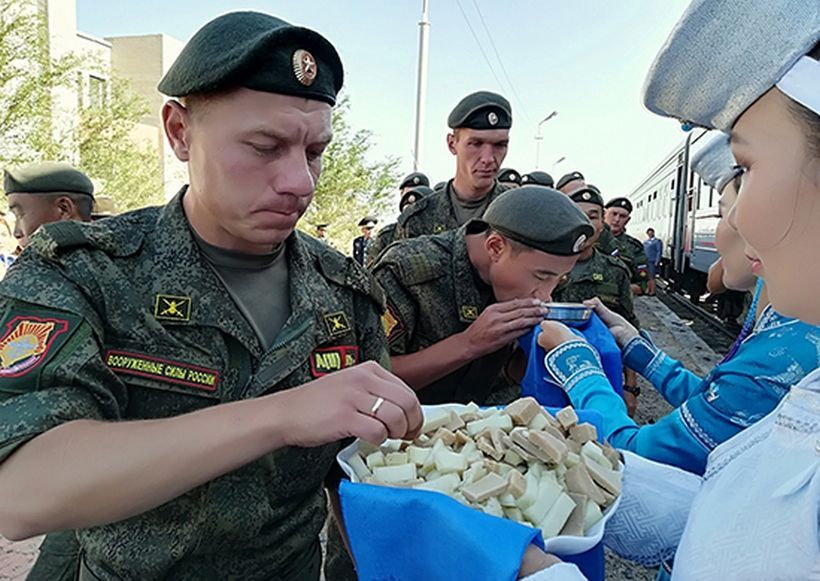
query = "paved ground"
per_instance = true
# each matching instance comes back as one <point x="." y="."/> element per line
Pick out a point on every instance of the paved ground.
<point x="668" y="330"/>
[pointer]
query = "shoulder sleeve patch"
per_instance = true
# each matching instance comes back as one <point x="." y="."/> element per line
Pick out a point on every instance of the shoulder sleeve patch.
<point x="392" y="323"/>
<point x="29" y="338"/>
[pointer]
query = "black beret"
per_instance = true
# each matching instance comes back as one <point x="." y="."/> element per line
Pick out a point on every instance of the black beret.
<point x="570" y="177"/>
<point x="368" y="222"/>
<point x="538" y="178"/>
<point x="538" y="217"/>
<point x="413" y="195"/>
<point x="257" y="51"/>
<point x="415" y="179"/>
<point x="589" y="195"/>
<point x="619" y="203"/>
<point x="320" y="226"/>
<point x="481" y="110"/>
<point x="509" y="175"/>
<point x="47" y="178"/>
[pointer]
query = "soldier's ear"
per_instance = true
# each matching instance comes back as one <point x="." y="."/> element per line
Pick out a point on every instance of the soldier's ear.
<point x="176" y="121"/>
<point x="451" y="142"/>
<point x="495" y="244"/>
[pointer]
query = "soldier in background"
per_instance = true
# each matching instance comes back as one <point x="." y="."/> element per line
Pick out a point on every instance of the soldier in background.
<point x="480" y="136"/>
<point x="361" y="244"/>
<point x="387" y="235"/>
<point x="618" y="214"/>
<point x="599" y="275"/>
<point x="537" y="178"/>
<point x="413" y="180"/>
<point x="47" y="192"/>
<point x="570" y="182"/>
<point x="509" y="177"/>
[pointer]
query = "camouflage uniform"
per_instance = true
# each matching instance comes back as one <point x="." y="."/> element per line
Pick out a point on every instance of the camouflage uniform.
<point x="632" y="253"/>
<point x="154" y="334"/>
<point x="435" y="214"/>
<point x="607" y="243"/>
<point x="433" y="293"/>
<point x="605" y="277"/>
<point x="384" y="238"/>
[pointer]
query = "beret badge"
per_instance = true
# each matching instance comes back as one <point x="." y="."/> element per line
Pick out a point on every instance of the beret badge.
<point x="304" y="67"/>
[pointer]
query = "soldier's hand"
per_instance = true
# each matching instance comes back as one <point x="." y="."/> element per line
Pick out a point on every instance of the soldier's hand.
<point x="554" y="334"/>
<point x="620" y="328"/>
<point x="501" y="324"/>
<point x="631" y="403"/>
<point x="364" y="401"/>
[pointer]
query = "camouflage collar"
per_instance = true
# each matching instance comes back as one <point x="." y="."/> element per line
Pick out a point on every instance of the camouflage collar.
<point x="469" y="300"/>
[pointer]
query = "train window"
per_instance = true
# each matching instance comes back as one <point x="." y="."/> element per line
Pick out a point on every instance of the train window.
<point x="672" y="185"/>
<point x="711" y="196"/>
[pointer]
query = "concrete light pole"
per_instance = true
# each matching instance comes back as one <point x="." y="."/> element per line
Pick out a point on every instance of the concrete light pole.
<point x="421" y="85"/>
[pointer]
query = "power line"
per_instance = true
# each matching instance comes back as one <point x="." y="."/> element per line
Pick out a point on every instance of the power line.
<point x="478" y="42"/>
<point x="501" y="62"/>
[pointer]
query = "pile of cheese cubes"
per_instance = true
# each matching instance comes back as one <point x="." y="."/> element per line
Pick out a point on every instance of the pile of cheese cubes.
<point x="518" y="462"/>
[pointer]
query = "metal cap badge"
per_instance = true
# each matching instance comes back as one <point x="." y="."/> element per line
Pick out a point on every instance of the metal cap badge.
<point x="304" y="67"/>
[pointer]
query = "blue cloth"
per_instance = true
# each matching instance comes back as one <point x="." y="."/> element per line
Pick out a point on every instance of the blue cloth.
<point x="537" y="383"/>
<point x="708" y="411"/>
<point x="406" y="535"/>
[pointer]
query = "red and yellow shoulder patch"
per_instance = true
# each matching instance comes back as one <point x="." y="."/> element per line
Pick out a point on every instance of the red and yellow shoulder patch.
<point x="27" y="342"/>
<point x="393" y="326"/>
<point x="329" y="359"/>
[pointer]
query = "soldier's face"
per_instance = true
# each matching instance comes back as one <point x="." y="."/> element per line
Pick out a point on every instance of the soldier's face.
<point x="737" y="269"/>
<point x="479" y="154"/>
<point x="617" y="218"/>
<point x="253" y="162"/>
<point x="525" y="273"/>
<point x="778" y="206"/>
<point x="32" y="211"/>
<point x="595" y="214"/>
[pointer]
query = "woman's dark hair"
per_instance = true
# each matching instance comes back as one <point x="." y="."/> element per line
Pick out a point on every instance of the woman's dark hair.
<point x="808" y="119"/>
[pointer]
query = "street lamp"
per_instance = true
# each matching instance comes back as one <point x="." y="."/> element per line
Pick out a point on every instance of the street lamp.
<point x="559" y="160"/>
<point x="539" y="137"/>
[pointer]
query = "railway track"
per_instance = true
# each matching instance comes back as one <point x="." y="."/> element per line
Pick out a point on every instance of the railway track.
<point x="699" y="312"/>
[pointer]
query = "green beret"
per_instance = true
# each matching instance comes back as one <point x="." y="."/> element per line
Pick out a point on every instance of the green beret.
<point x="620" y="203"/>
<point x="509" y="176"/>
<point x="481" y="110"/>
<point x="414" y="195"/>
<point x="538" y="217"/>
<point x="415" y="179"/>
<point x="47" y="178"/>
<point x="259" y="52"/>
<point x="538" y="178"/>
<point x="570" y="177"/>
<point x="588" y="195"/>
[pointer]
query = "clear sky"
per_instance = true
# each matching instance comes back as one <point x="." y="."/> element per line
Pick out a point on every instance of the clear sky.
<point x="587" y="59"/>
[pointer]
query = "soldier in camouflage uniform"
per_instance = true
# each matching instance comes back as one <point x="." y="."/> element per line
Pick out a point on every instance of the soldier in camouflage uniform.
<point x="595" y="274"/>
<point x="602" y="276"/>
<point x="481" y="131"/>
<point x="457" y="301"/>
<point x="387" y="235"/>
<point x="630" y="250"/>
<point x="149" y="360"/>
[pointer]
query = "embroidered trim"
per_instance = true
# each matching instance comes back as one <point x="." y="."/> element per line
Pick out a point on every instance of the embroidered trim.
<point x="720" y="462"/>
<point x="796" y="425"/>
<point x="695" y="429"/>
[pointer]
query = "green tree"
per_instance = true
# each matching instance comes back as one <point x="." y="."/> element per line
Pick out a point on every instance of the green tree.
<point x="351" y="186"/>
<point x="127" y="167"/>
<point x="29" y="77"/>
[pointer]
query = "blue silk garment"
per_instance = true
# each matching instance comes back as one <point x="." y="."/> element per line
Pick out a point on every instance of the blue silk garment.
<point x="537" y="382"/>
<point x="708" y="411"/>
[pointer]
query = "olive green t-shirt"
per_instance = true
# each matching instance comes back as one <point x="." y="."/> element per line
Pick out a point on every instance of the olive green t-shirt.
<point x="467" y="209"/>
<point x="258" y="284"/>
